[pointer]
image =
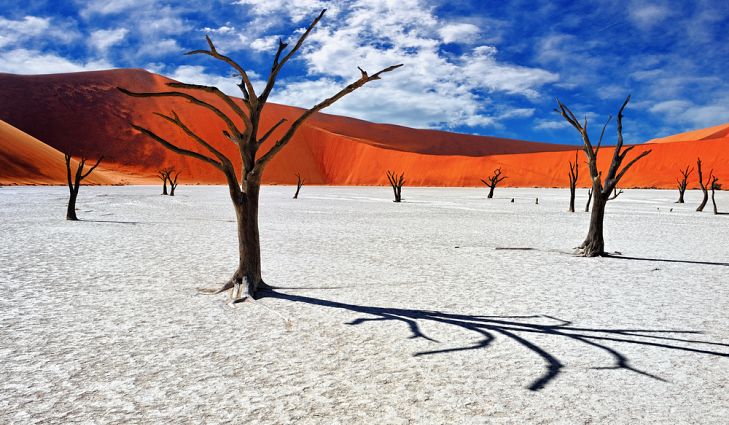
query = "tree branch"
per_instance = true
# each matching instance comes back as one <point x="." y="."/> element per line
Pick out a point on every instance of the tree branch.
<point x="177" y="149"/>
<point x="261" y="162"/>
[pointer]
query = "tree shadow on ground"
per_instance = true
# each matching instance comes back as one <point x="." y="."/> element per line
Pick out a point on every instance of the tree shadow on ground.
<point x="665" y="260"/>
<point x="520" y="328"/>
<point x="110" y="221"/>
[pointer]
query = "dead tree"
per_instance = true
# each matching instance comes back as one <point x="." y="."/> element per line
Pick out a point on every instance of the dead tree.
<point x="589" y="200"/>
<point x="75" y="183"/>
<point x="173" y="181"/>
<point x="714" y="187"/>
<point x="574" y="173"/>
<point x="492" y="181"/>
<point x="246" y="280"/>
<point x="594" y="243"/>
<point x="396" y="182"/>
<point x="703" y="185"/>
<point x="299" y="183"/>
<point x="615" y="194"/>
<point x="164" y="175"/>
<point x="683" y="182"/>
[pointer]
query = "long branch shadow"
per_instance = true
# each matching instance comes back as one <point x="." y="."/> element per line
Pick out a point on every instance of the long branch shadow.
<point x="665" y="260"/>
<point x="110" y="221"/>
<point x="520" y="328"/>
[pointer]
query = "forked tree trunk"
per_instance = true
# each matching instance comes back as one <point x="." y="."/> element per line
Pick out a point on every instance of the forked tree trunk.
<point x="594" y="243"/>
<point x="299" y="183"/>
<point x="164" y="187"/>
<point x="573" y="174"/>
<point x="71" y="210"/>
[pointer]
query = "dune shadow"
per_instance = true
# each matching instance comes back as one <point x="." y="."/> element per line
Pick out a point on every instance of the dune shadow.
<point x="521" y="329"/>
<point x="665" y="260"/>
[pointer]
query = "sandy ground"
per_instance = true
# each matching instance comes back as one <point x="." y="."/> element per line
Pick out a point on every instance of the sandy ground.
<point x="399" y="313"/>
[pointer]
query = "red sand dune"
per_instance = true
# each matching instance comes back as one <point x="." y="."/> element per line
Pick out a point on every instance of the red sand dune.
<point x="26" y="160"/>
<point x="83" y="112"/>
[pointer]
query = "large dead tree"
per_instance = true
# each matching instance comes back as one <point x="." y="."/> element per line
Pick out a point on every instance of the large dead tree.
<point x="683" y="183"/>
<point x="75" y="183"/>
<point x="594" y="243"/>
<point x="704" y="186"/>
<point x="715" y="185"/>
<point x="574" y="173"/>
<point x="164" y="175"/>
<point x="396" y="182"/>
<point x="173" y="181"/>
<point x="244" y="193"/>
<point x="299" y="183"/>
<point x="492" y="181"/>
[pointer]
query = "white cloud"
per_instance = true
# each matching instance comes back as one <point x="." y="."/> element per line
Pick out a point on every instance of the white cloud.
<point x="433" y="89"/>
<point x="101" y="40"/>
<point x="689" y="113"/>
<point x="33" y="29"/>
<point x="23" y="61"/>
<point x="645" y="16"/>
<point x="459" y="33"/>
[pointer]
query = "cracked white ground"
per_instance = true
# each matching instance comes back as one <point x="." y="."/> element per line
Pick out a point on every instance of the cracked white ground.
<point x="399" y="313"/>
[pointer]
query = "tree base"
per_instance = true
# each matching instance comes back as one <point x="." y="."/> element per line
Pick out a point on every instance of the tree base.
<point x="241" y="289"/>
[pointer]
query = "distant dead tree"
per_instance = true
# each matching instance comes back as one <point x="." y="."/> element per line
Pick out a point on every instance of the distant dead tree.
<point x="574" y="173"/>
<point x="594" y="243"/>
<point x="164" y="175"/>
<point x="492" y="181"/>
<point x="589" y="200"/>
<point x="299" y="183"/>
<point x="75" y="183"/>
<point x="714" y="187"/>
<point x="173" y="181"/>
<point x="396" y="182"/>
<point x="246" y="280"/>
<point x="683" y="182"/>
<point x="615" y="194"/>
<point x="703" y="185"/>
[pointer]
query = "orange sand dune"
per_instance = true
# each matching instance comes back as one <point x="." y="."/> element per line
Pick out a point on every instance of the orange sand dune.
<point x="716" y="132"/>
<point x="26" y="160"/>
<point x="83" y="112"/>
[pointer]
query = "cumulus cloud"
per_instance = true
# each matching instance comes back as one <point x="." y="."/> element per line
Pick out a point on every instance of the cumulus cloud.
<point x="433" y="89"/>
<point x="686" y="112"/>
<point x="24" y="61"/>
<point x="101" y="40"/>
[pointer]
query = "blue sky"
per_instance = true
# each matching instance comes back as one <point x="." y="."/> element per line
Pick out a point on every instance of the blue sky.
<point x="481" y="67"/>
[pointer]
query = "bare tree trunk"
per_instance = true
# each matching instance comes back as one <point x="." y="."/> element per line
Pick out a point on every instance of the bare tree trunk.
<point x="594" y="244"/>
<point x="704" y="189"/>
<point x="491" y="191"/>
<point x="164" y="187"/>
<point x="589" y="200"/>
<point x="492" y="181"/>
<point x="573" y="174"/>
<point x="299" y="183"/>
<point x="173" y="182"/>
<point x="71" y="210"/>
<point x="714" y="186"/>
<point x="247" y="279"/>
<point x="396" y="182"/>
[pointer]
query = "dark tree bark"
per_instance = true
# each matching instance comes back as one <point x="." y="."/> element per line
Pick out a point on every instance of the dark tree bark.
<point x="299" y="183"/>
<point x="703" y="185"/>
<point x="615" y="194"/>
<point x="589" y="200"/>
<point x="244" y="194"/>
<point x="574" y="173"/>
<point x="173" y="181"/>
<point x="164" y="175"/>
<point x="396" y="182"/>
<point x="75" y="183"/>
<point x="492" y="181"/>
<point x="714" y="187"/>
<point x="683" y="183"/>
<point x="594" y="243"/>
